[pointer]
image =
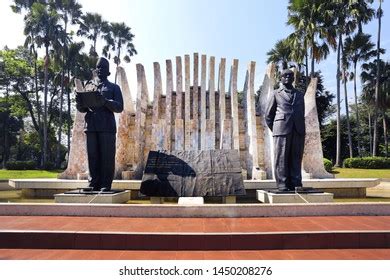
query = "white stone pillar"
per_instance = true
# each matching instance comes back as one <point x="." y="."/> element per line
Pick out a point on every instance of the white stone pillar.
<point x="168" y="111"/>
<point x="157" y="127"/>
<point x="195" y="106"/>
<point x="266" y="90"/>
<point x="142" y="106"/>
<point x="313" y="155"/>
<point x="124" y="157"/>
<point x="253" y="167"/>
<point x="225" y="128"/>
<point x="234" y="106"/>
<point x="187" y="104"/>
<point x="210" y="122"/>
<point x="202" y="108"/>
<point x="179" y="121"/>
<point x="78" y="160"/>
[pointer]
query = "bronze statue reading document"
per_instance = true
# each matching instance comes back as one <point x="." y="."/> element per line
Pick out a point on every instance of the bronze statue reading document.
<point x="100" y="101"/>
<point x="285" y="116"/>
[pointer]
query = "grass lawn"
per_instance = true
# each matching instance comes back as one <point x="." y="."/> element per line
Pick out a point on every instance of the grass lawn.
<point x="361" y="173"/>
<point x="27" y="174"/>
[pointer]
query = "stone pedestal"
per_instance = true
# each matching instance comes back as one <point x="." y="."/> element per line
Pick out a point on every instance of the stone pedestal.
<point x="82" y="176"/>
<point x="258" y="173"/>
<point x="229" y="199"/>
<point x="80" y="197"/>
<point x="128" y="175"/>
<point x="190" y="201"/>
<point x="272" y="198"/>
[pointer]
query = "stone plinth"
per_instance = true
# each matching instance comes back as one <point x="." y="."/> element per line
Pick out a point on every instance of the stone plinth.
<point x="190" y="201"/>
<point x="269" y="197"/>
<point x="107" y="198"/>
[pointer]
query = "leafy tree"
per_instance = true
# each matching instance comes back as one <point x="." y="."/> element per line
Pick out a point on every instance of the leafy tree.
<point x="69" y="10"/>
<point x="378" y="75"/>
<point x="92" y="26"/>
<point x="44" y="23"/>
<point x="358" y="48"/>
<point x="119" y="36"/>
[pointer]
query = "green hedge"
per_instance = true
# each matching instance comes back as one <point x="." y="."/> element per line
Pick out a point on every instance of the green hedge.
<point x="328" y="165"/>
<point x="21" y="165"/>
<point x="367" y="163"/>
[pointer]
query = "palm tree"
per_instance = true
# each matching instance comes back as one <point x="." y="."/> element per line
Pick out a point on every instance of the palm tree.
<point x="362" y="12"/>
<point x="345" y="75"/>
<point x="44" y="24"/>
<point x="382" y="104"/>
<point x="30" y="43"/>
<point x="378" y="74"/>
<point x="118" y="36"/>
<point x="358" y="48"/>
<point x="280" y="53"/>
<point x="343" y="24"/>
<point x="69" y="10"/>
<point x="309" y="19"/>
<point x="92" y="26"/>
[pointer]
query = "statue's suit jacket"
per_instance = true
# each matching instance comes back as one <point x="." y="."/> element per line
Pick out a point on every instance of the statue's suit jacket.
<point x="286" y="110"/>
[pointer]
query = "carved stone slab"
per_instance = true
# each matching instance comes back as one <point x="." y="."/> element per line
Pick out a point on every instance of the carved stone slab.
<point x="313" y="156"/>
<point x="78" y="160"/>
<point x="193" y="173"/>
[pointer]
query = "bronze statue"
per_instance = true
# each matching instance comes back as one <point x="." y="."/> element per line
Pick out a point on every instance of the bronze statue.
<point x="100" y="104"/>
<point x="285" y="116"/>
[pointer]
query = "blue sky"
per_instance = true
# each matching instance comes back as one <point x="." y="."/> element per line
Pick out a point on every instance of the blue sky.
<point x="244" y="29"/>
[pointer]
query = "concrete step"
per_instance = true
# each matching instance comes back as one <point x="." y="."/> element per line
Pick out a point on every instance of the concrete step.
<point x="89" y="240"/>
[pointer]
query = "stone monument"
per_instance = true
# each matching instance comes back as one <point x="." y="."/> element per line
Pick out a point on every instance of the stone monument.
<point x="204" y="115"/>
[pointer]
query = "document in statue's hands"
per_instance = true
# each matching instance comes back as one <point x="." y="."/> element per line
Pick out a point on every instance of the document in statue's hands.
<point x="89" y="98"/>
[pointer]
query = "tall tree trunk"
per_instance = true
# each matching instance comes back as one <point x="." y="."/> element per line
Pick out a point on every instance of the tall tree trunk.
<point x="338" y="133"/>
<point x="347" y="114"/>
<point x="307" y="68"/>
<point x="58" y="150"/>
<point x="357" y="110"/>
<point x="385" y="134"/>
<point x="312" y="63"/>
<point x="36" y="86"/>
<point x="5" y="131"/>
<point x="370" y="130"/>
<point x="69" y="116"/>
<point x="377" y="87"/>
<point x="45" y="128"/>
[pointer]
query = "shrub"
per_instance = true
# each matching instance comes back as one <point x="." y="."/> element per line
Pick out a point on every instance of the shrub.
<point x="367" y="163"/>
<point x="328" y="165"/>
<point x="21" y="165"/>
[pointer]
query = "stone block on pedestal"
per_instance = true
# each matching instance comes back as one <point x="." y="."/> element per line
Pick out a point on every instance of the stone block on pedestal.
<point x="78" y="196"/>
<point x="294" y="197"/>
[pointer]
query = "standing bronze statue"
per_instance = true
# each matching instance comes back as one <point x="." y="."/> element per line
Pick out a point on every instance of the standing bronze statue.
<point x="285" y="116"/>
<point x="100" y="127"/>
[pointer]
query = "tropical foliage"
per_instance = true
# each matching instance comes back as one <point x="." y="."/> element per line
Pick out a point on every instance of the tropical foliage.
<point x="36" y="79"/>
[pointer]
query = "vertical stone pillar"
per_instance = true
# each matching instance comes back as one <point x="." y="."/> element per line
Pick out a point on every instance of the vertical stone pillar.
<point x="157" y="126"/>
<point x="187" y="104"/>
<point x="251" y="128"/>
<point x="202" y="108"/>
<point x="210" y="122"/>
<point x="179" y="121"/>
<point x="195" y="106"/>
<point x="140" y="120"/>
<point x="266" y="90"/>
<point x="78" y="160"/>
<point x="124" y="157"/>
<point x="179" y="88"/>
<point x="225" y="124"/>
<point x="313" y="155"/>
<point x="234" y="105"/>
<point x="168" y="111"/>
